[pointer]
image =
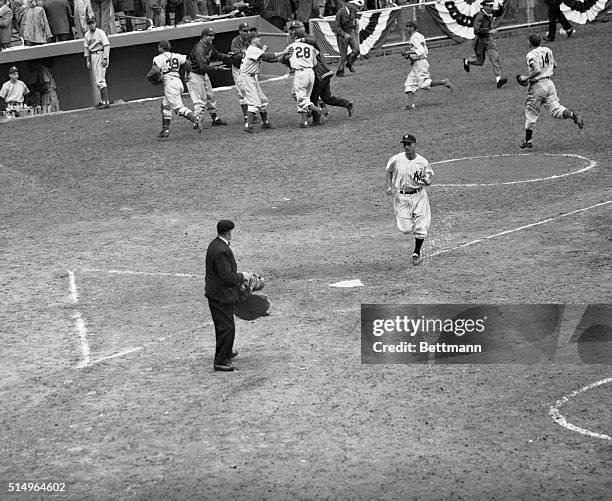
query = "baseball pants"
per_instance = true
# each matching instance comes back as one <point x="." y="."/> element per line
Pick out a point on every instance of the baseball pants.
<point x="343" y="45"/>
<point x="98" y="70"/>
<point x="486" y="46"/>
<point x="201" y="93"/>
<point x="412" y="213"/>
<point x="322" y="89"/>
<point x="173" y="101"/>
<point x="254" y="97"/>
<point x="303" y="81"/>
<point x="419" y="77"/>
<point x="542" y="92"/>
<point x="239" y="85"/>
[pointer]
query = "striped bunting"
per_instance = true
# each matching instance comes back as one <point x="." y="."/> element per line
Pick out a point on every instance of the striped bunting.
<point x="584" y="11"/>
<point x="374" y="25"/>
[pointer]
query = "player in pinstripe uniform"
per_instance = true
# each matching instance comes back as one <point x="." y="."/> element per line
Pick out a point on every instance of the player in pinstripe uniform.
<point x="238" y="48"/>
<point x="407" y="176"/>
<point x="97" y="54"/>
<point x="169" y="63"/>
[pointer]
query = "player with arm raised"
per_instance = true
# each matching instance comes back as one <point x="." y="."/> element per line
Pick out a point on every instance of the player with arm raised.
<point x="542" y="90"/>
<point x="170" y="63"/>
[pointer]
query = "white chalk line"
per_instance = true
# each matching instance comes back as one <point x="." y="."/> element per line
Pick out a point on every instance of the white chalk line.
<point x="79" y="323"/>
<point x="143" y="273"/>
<point x="506" y="232"/>
<point x="560" y="419"/>
<point x="589" y="166"/>
<point x="120" y="354"/>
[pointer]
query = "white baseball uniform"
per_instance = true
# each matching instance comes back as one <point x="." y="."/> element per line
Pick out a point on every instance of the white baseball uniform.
<point x="97" y="46"/>
<point x="419" y="77"/>
<point x="542" y="90"/>
<point x="169" y="64"/>
<point x="254" y="97"/>
<point x="410" y="202"/>
<point x="303" y="59"/>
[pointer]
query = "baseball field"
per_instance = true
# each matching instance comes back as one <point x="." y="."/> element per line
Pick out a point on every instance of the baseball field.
<point x="106" y="379"/>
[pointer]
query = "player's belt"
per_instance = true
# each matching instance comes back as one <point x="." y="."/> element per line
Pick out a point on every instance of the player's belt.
<point x="13" y="103"/>
<point x="96" y="51"/>
<point x="410" y="192"/>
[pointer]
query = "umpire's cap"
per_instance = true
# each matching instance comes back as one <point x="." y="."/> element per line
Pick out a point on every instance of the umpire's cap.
<point x="296" y="25"/>
<point x="408" y="138"/>
<point x="13" y="69"/>
<point x="224" y="226"/>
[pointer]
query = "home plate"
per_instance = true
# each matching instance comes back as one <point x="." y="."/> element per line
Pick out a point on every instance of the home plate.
<point x="348" y="283"/>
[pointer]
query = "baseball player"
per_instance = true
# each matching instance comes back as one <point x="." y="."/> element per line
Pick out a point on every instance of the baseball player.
<point x="200" y="88"/>
<point x="97" y="53"/>
<point x="169" y="63"/>
<point x="407" y="176"/>
<point x="254" y="97"/>
<point x="542" y="90"/>
<point x="321" y="92"/>
<point x="13" y="92"/>
<point x="419" y="77"/>
<point x="484" y="43"/>
<point x="302" y="59"/>
<point x="238" y="48"/>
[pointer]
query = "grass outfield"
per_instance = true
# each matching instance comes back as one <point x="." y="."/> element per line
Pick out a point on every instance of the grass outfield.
<point x="89" y="193"/>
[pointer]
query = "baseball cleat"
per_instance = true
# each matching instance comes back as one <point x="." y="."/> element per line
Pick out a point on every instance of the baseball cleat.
<point x="526" y="144"/>
<point x="165" y="133"/>
<point x="349" y="108"/>
<point x="195" y="126"/>
<point x="350" y="67"/>
<point x="501" y="82"/>
<point x="267" y="125"/>
<point x="200" y="124"/>
<point x="570" y="32"/>
<point x="304" y="125"/>
<point x="339" y="73"/>
<point x="466" y="65"/>
<point x="250" y="130"/>
<point x="410" y="107"/>
<point x="448" y="84"/>
<point x="217" y="121"/>
<point x="578" y="120"/>
<point x="416" y="259"/>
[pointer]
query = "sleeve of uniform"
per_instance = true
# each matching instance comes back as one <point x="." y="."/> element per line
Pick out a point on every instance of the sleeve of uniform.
<point x="26" y="91"/>
<point x="418" y="46"/>
<point x="390" y="164"/>
<point x="106" y="45"/>
<point x="85" y="46"/>
<point x="3" y="91"/>
<point x="428" y="174"/>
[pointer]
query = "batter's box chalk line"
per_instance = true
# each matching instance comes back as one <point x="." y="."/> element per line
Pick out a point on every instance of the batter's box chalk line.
<point x="560" y="419"/>
<point x="589" y="165"/>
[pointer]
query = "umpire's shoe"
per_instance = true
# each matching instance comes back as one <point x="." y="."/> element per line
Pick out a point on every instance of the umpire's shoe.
<point x="224" y="368"/>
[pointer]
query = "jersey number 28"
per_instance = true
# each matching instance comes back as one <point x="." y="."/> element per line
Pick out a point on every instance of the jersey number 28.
<point x="302" y="52"/>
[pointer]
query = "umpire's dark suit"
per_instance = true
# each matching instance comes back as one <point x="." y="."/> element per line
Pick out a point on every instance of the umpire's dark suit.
<point x="222" y="284"/>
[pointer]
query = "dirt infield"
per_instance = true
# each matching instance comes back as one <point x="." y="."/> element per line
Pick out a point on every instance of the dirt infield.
<point x="106" y="378"/>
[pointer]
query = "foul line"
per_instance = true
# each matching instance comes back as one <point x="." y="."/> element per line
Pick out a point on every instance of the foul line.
<point x="506" y="232"/>
<point x="144" y="273"/>
<point x="560" y="419"/>
<point x="592" y="163"/>
<point x="79" y="323"/>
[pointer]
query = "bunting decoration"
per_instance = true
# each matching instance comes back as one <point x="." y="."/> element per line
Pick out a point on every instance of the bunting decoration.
<point x="581" y="12"/>
<point x="456" y="17"/>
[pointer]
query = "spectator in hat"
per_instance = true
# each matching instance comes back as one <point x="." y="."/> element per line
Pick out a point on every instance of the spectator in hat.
<point x="199" y="85"/>
<point x="176" y="7"/>
<point x="347" y="35"/>
<point x="35" y="28"/>
<point x="156" y="11"/>
<point x="6" y="24"/>
<point x="13" y="91"/>
<point x="59" y="15"/>
<point x="222" y="289"/>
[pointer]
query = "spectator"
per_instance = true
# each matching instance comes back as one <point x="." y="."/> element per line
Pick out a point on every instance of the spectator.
<point x="277" y="12"/>
<point x="127" y="8"/>
<point x="156" y="11"/>
<point x="44" y="86"/>
<point x="190" y="12"/>
<point x="554" y="15"/>
<point x="82" y="11"/>
<point x="331" y="7"/>
<point x="347" y="34"/>
<point x="178" y="8"/>
<point x="34" y="25"/>
<point x="6" y="24"/>
<point x="306" y="10"/>
<point x="104" y="14"/>
<point x="59" y="15"/>
<point x="14" y="91"/>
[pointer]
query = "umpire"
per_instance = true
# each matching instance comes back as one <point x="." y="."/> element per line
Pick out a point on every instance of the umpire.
<point x="222" y="290"/>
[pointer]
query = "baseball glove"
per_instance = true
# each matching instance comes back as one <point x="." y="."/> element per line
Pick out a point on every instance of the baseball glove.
<point x="521" y="82"/>
<point x="155" y="75"/>
<point x="407" y="54"/>
<point x="252" y="283"/>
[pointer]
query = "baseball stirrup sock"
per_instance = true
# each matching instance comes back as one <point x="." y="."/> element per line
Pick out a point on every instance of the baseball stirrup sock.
<point x="418" y="242"/>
